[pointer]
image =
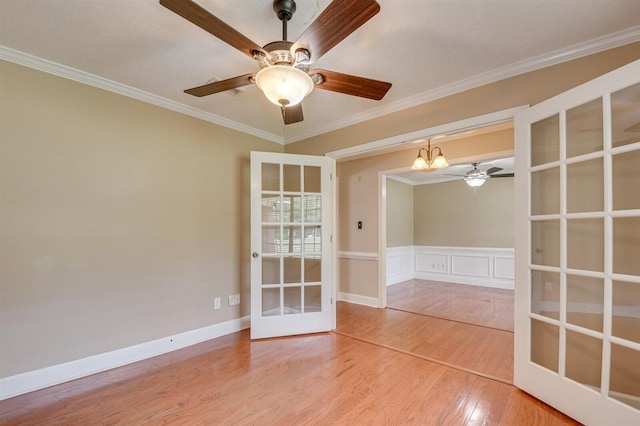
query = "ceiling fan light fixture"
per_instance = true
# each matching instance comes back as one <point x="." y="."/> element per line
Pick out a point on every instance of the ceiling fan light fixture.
<point x="475" y="182"/>
<point x="284" y="85"/>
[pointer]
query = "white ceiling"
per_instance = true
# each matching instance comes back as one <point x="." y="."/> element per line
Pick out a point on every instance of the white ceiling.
<point x="426" y="48"/>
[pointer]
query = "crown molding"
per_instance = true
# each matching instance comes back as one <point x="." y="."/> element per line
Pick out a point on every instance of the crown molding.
<point x="64" y="71"/>
<point x="617" y="39"/>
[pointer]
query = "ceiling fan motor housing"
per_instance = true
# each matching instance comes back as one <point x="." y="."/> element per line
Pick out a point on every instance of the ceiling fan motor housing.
<point x="284" y="9"/>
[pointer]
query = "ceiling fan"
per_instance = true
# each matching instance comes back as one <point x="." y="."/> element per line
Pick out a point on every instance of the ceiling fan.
<point x="477" y="177"/>
<point x="285" y="76"/>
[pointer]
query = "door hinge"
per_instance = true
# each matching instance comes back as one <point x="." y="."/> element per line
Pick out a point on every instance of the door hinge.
<point x="330" y="176"/>
<point x="332" y="300"/>
<point x="330" y="238"/>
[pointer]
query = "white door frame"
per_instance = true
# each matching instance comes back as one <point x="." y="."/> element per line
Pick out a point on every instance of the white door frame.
<point x="406" y="140"/>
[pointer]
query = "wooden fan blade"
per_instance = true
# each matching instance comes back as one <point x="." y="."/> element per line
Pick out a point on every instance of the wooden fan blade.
<point x="493" y="170"/>
<point x="199" y="16"/>
<point x="335" y="23"/>
<point x="292" y="114"/>
<point x="221" y="86"/>
<point x="352" y="85"/>
<point x="502" y="175"/>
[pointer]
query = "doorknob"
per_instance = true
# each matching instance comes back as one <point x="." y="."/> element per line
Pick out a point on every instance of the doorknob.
<point x="255" y="254"/>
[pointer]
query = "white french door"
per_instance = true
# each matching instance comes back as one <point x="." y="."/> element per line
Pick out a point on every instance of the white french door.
<point x="292" y="264"/>
<point x="577" y="296"/>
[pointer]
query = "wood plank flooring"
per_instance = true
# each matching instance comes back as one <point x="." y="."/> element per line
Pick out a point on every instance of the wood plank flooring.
<point x="326" y="379"/>
<point x="489" y="307"/>
<point x="483" y="350"/>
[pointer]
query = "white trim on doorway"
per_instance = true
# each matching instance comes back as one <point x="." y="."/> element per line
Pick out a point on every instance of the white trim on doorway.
<point x="424" y="134"/>
<point x="405" y="140"/>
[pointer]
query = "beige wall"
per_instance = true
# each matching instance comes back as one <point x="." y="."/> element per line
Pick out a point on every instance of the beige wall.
<point x="399" y="214"/>
<point x="449" y="214"/>
<point x="120" y="221"/>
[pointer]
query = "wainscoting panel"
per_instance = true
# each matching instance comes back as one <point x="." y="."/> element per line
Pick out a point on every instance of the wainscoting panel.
<point x="400" y="264"/>
<point x="486" y="267"/>
<point x="473" y="266"/>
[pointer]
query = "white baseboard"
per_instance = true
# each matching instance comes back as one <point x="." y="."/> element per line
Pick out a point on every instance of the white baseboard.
<point x="56" y="374"/>
<point x="398" y="278"/>
<point x="359" y="300"/>
<point x="458" y="279"/>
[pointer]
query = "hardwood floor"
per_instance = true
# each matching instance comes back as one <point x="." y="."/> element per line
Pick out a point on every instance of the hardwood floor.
<point x="488" y="307"/>
<point x="482" y="350"/>
<point x="326" y="378"/>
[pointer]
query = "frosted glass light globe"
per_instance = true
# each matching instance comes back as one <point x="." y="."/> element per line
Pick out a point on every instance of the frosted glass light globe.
<point x="284" y="85"/>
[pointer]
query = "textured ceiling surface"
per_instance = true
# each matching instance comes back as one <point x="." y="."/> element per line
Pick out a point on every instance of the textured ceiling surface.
<point x="417" y="45"/>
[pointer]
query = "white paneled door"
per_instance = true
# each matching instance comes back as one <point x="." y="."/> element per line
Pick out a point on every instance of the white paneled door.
<point x="293" y="256"/>
<point x="577" y="291"/>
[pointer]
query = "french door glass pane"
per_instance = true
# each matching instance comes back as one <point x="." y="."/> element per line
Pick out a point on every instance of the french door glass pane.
<point x="626" y="305"/>
<point x="545" y="191"/>
<point x="312" y="269"/>
<point x="270" y="177"/>
<point x="312" y="179"/>
<point x="292" y="239"/>
<point x="545" y="293"/>
<point x="312" y="298"/>
<point x="626" y="245"/>
<point x="271" y="242"/>
<point x="291" y="208"/>
<point x="270" y="270"/>
<point x="545" y="141"/>
<point x="292" y="269"/>
<point x="270" y="208"/>
<point x="292" y="300"/>
<point x="545" y="242"/>
<point x="585" y="186"/>
<point x="585" y="244"/>
<point x="270" y="302"/>
<point x="625" y="122"/>
<point x="583" y="359"/>
<point x="312" y="208"/>
<point x="584" y="128"/>
<point x="625" y="375"/>
<point x="585" y="300"/>
<point x="312" y="239"/>
<point x="291" y="177"/>
<point x="544" y="344"/>
<point x="626" y="180"/>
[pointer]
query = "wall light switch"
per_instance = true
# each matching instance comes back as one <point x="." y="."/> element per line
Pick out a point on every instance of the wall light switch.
<point x="359" y="224"/>
<point x="216" y="303"/>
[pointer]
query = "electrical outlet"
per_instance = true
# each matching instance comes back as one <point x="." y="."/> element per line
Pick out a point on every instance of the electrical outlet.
<point x="232" y="300"/>
<point x="237" y="299"/>
<point x="216" y="303"/>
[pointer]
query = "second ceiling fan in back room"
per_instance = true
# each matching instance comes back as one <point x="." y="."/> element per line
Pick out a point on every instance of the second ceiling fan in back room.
<point x="285" y="76"/>
<point x="475" y="177"/>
